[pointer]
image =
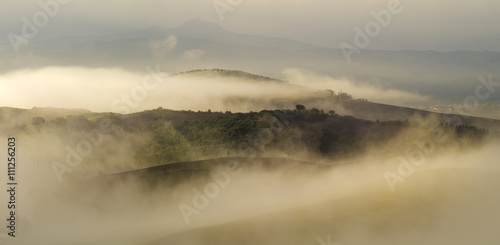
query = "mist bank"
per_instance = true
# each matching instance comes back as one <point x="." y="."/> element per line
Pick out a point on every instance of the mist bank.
<point x="289" y="176"/>
<point x="120" y="91"/>
<point x="446" y="201"/>
<point x="450" y="198"/>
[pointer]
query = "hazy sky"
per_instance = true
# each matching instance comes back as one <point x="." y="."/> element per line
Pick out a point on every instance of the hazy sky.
<point x="422" y="24"/>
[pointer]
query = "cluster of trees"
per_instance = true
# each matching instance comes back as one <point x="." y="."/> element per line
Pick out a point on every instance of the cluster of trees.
<point x="165" y="136"/>
<point x="338" y="96"/>
<point x="313" y="131"/>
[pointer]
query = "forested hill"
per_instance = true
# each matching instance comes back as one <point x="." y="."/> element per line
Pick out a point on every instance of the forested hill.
<point x="302" y="133"/>
<point x="160" y="136"/>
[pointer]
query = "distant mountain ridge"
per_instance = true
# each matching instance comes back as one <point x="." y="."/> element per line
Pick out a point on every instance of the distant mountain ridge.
<point x="196" y="28"/>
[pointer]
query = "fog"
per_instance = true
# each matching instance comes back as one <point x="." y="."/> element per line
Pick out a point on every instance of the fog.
<point x="359" y="90"/>
<point x="121" y="91"/>
<point x="116" y="147"/>
<point x="450" y="198"/>
<point x="448" y="195"/>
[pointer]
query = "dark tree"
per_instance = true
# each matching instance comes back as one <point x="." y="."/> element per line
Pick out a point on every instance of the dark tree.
<point x="300" y="107"/>
<point x="38" y="121"/>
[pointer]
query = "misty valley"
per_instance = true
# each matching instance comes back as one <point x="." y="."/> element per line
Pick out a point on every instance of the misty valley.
<point x="304" y="171"/>
<point x="229" y="122"/>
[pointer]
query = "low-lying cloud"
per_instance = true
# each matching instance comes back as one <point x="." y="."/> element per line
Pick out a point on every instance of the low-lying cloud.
<point x="117" y="90"/>
<point x="376" y="94"/>
<point x="450" y="199"/>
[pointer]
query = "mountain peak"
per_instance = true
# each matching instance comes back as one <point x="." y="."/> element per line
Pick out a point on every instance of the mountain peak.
<point x="197" y="25"/>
